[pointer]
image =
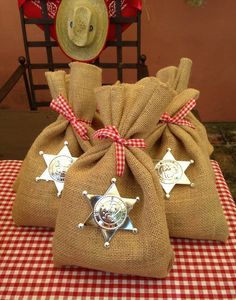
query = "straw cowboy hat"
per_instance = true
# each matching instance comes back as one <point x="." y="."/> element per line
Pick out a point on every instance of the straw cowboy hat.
<point x="82" y="27"/>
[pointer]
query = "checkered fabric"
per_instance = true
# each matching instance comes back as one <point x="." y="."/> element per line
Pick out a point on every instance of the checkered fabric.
<point x="112" y="133"/>
<point x="61" y="106"/>
<point x="180" y="115"/>
<point x="202" y="269"/>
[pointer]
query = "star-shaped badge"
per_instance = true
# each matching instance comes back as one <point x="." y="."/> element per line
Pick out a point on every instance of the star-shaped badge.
<point x="171" y="172"/>
<point x="109" y="212"/>
<point x="57" y="166"/>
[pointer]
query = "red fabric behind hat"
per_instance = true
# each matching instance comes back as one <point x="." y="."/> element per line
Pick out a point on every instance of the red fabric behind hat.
<point x="32" y="9"/>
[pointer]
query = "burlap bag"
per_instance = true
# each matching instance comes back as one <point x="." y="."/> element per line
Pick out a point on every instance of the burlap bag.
<point x="133" y="110"/>
<point x="191" y="212"/>
<point x="58" y="83"/>
<point x="36" y="203"/>
<point x="178" y="79"/>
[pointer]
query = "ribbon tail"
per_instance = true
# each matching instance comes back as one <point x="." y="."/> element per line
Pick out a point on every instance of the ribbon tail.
<point x="189" y="124"/>
<point x="182" y="113"/>
<point x="120" y="159"/>
<point x="81" y="130"/>
<point x="61" y="107"/>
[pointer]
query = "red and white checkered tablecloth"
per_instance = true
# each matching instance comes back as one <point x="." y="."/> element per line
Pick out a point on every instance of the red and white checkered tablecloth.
<point x="202" y="269"/>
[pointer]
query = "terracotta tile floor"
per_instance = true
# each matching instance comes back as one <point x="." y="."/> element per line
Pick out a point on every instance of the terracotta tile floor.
<point x="223" y="137"/>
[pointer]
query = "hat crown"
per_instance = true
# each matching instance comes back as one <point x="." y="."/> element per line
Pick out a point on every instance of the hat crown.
<point x="82" y="26"/>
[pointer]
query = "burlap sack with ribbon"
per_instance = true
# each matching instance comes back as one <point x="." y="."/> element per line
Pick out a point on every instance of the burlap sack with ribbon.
<point x="191" y="212"/>
<point x="178" y="79"/>
<point x="58" y="83"/>
<point x="129" y="113"/>
<point x="37" y="202"/>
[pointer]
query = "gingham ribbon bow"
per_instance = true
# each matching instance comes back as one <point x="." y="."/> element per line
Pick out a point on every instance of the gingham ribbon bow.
<point x="112" y="133"/>
<point x="62" y="107"/>
<point x="179" y="117"/>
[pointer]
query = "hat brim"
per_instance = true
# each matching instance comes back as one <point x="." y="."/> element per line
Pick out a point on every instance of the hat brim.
<point x="90" y="52"/>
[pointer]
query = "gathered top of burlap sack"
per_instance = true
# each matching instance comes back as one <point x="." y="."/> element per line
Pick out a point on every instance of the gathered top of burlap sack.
<point x="133" y="110"/>
<point x="191" y="212"/>
<point x="37" y="203"/>
<point x="178" y="79"/>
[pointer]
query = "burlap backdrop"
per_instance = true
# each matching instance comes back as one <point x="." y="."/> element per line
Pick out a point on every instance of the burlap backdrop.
<point x="133" y="110"/>
<point x="191" y="212"/>
<point x="36" y="203"/>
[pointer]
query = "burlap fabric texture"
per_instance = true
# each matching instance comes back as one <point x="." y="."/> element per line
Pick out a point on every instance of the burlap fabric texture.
<point x="58" y="83"/>
<point x="133" y="110"/>
<point x="191" y="212"/>
<point x="36" y="203"/>
<point x="178" y="79"/>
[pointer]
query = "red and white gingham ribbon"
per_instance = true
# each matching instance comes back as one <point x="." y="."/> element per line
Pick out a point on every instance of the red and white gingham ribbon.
<point x="179" y="117"/>
<point x="61" y="106"/>
<point x="112" y="133"/>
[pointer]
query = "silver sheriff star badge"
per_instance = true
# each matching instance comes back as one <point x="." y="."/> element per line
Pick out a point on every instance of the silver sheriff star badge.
<point x="171" y="172"/>
<point x="57" y="166"/>
<point x="109" y="212"/>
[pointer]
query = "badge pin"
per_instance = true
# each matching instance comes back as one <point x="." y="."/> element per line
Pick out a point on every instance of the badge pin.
<point x="172" y="172"/>
<point x="57" y="166"/>
<point x="110" y="212"/>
